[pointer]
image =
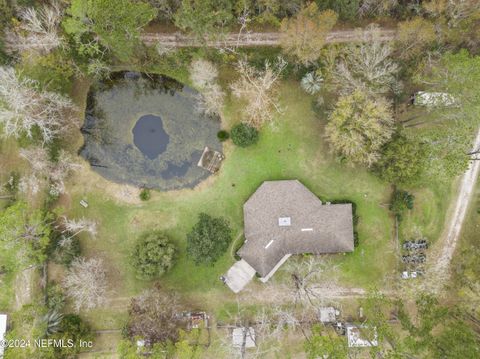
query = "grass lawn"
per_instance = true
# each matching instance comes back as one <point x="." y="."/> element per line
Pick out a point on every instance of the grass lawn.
<point x="465" y="265"/>
<point x="292" y="147"/>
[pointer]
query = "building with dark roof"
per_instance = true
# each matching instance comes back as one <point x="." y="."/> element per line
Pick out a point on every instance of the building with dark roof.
<point x="283" y="218"/>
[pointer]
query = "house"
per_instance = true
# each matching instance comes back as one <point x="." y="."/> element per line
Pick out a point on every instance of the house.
<point x="283" y="218"/>
<point x="357" y="336"/>
<point x="3" y="330"/>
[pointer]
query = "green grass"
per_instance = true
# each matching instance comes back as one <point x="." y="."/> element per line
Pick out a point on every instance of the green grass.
<point x="292" y="147"/>
<point x="465" y="264"/>
<point x="429" y="213"/>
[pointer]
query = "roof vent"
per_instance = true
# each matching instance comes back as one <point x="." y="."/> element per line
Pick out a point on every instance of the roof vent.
<point x="284" y="221"/>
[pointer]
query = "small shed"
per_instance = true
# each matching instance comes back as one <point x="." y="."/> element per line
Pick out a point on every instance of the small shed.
<point x="356" y="336"/>
<point x="433" y="99"/>
<point x="3" y="330"/>
<point x="243" y="337"/>
<point x="328" y="314"/>
<point x="211" y="160"/>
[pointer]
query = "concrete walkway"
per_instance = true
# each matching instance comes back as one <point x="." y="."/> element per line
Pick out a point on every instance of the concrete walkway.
<point x="239" y="275"/>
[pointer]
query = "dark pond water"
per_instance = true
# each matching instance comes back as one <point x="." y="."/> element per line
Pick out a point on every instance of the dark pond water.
<point x="149" y="136"/>
<point x="145" y="130"/>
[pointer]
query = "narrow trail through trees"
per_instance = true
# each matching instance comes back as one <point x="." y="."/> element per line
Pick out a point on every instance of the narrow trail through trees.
<point x="250" y="39"/>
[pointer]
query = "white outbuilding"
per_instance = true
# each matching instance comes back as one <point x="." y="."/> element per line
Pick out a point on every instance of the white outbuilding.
<point x="357" y="336"/>
<point x="243" y="337"/>
<point x="3" y="330"/>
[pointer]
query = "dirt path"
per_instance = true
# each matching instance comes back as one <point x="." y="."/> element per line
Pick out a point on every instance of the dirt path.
<point x="250" y="39"/>
<point x="446" y="247"/>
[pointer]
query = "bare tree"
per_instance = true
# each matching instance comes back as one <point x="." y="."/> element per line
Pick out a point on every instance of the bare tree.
<point x="211" y="100"/>
<point x="77" y="226"/>
<point x="257" y="327"/>
<point x="45" y="172"/>
<point x="266" y="327"/>
<point x="370" y="8"/>
<point x="455" y="11"/>
<point x="368" y="66"/>
<point x="257" y="88"/>
<point x="98" y="69"/>
<point x="306" y="275"/>
<point x="203" y="73"/>
<point x="39" y="163"/>
<point x="60" y="170"/>
<point x="37" y="30"/>
<point x="154" y="316"/>
<point x="25" y="108"/>
<point x="86" y="283"/>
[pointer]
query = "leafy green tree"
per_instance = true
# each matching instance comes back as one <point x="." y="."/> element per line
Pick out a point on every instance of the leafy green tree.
<point x="437" y="331"/>
<point x="204" y="17"/>
<point x="244" y="135"/>
<point x="325" y="343"/>
<point x="400" y="202"/>
<point x="6" y="14"/>
<point x="208" y="239"/>
<point x="453" y="127"/>
<point x="188" y="345"/>
<point x="153" y="255"/>
<point x="359" y="127"/>
<point x="346" y="9"/>
<point x="73" y="328"/>
<point x="145" y="194"/>
<point x="304" y="35"/>
<point x="427" y="328"/>
<point x="448" y="146"/>
<point x="457" y="340"/>
<point x="27" y="232"/>
<point x="414" y="37"/>
<point x="54" y="71"/>
<point x="117" y="23"/>
<point x="402" y="161"/>
<point x="457" y="74"/>
<point x="66" y="249"/>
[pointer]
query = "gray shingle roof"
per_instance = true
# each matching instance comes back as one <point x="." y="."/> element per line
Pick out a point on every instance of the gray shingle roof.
<point x="314" y="227"/>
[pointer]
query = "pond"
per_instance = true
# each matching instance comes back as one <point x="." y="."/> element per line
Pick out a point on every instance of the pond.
<point x="145" y="130"/>
<point x="149" y="136"/>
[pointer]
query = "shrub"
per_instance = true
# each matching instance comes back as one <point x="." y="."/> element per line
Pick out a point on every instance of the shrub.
<point x="401" y="201"/>
<point x="402" y="162"/>
<point x="145" y="194"/>
<point x="66" y="250"/>
<point x="73" y="328"/>
<point x="153" y="255"/>
<point x="312" y="83"/>
<point x="244" y="135"/>
<point x="208" y="239"/>
<point x="223" y="135"/>
<point x="55" y="297"/>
